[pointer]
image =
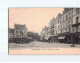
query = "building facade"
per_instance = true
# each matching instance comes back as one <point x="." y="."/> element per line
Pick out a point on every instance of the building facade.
<point x="51" y="26"/>
<point x="63" y="22"/>
<point x="67" y="23"/>
<point x="11" y="35"/>
<point x="45" y="33"/>
<point x="18" y="34"/>
<point x="76" y="20"/>
<point x="20" y="31"/>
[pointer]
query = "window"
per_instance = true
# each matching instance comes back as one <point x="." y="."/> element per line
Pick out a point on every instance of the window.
<point x="66" y="17"/>
<point x="66" y="30"/>
<point x="56" y="32"/>
<point x="51" y="32"/>
<point x="17" y="36"/>
<point x="66" y="24"/>
<point x="16" y="31"/>
<point x="20" y="31"/>
<point x="76" y="19"/>
<point x="69" y="29"/>
<point x="58" y="21"/>
<point x="58" y="26"/>
<point x="69" y="15"/>
<point x="63" y="19"/>
<point x="61" y="27"/>
<point x="69" y="23"/>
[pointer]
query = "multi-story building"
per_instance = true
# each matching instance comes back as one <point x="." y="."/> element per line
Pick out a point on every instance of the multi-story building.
<point x="20" y="31"/>
<point x="66" y="20"/>
<point x="51" y="26"/>
<point x="76" y="20"/>
<point x="65" y="26"/>
<point x="67" y="23"/>
<point x="52" y="37"/>
<point x="57" y="26"/>
<point x="76" y="24"/>
<point x="45" y="34"/>
<point x="42" y="35"/>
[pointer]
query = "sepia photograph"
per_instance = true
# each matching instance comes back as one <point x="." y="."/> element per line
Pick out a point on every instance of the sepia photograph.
<point x="43" y="31"/>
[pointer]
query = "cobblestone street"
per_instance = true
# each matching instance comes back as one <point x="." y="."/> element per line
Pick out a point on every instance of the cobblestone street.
<point x="36" y="44"/>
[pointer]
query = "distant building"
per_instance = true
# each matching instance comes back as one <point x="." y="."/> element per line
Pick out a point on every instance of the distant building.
<point x="57" y="25"/>
<point x="11" y="34"/>
<point x="20" y="31"/>
<point x="45" y="33"/>
<point x="52" y="37"/>
<point x="42" y="35"/>
<point x="51" y="26"/>
<point x="18" y="34"/>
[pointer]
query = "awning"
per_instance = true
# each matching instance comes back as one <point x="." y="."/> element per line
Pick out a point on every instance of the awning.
<point x="63" y="34"/>
<point x="61" y="37"/>
<point x="77" y="24"/>
<point x="46" y="38"/>
<point x="50" y="36"/>
<point x="53" y="35"/>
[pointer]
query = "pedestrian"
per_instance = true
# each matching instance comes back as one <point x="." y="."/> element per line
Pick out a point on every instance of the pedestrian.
<point x="72" y="41"/>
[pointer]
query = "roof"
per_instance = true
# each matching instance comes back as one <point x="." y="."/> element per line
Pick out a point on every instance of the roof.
<point x="20" y="27"/>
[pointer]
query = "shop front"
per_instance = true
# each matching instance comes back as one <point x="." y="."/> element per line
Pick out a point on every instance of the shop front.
<point x="53" y="38"/>
<point x="64" y="37"/>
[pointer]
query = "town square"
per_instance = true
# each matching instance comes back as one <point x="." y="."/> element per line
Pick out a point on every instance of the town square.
<point x="61" y="31"/>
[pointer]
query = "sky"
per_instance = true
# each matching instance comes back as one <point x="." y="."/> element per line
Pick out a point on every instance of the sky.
<point x="34" y="18"/>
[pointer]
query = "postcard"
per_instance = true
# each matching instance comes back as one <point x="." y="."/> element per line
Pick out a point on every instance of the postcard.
<point x="43" y="31"/>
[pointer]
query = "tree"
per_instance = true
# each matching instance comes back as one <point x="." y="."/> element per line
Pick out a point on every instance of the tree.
<point x="34" y="35"/>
